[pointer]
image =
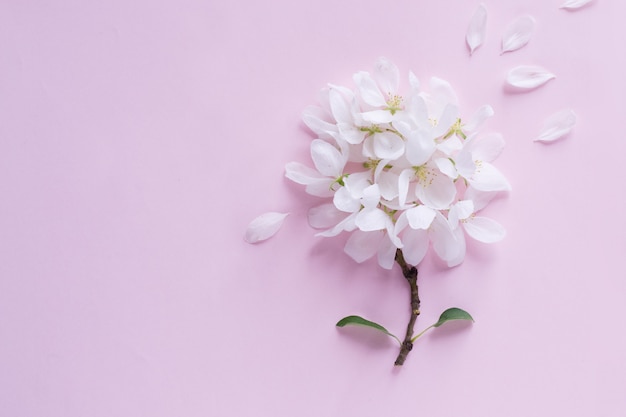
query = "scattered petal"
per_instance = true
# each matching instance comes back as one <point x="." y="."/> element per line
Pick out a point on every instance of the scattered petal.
<point x="518" y="33"/>
<point x="264" y="226"/>
<point x="574" y="4"/>
<point x="557" y="126"/>
<point x="477" y="28"/>
<point x="528" y="77"/>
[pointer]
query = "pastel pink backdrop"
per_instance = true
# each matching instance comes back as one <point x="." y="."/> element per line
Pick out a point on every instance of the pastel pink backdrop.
<point x="138" y="139"/>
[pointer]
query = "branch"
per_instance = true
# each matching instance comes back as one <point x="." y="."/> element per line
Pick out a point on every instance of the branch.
<point x="410" y="273"/>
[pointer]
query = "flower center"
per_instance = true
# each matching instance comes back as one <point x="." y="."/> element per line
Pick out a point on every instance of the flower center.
<point x="424" y="175"/>
<point x="456" y="129"/>
<point x="394" y="103"/>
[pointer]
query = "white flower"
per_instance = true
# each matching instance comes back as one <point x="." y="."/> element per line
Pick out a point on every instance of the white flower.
<point x="400" y="171"/>
<point x="473" y="163"/>
<point x="482" y="229"/>
<point x="329" y="162"/>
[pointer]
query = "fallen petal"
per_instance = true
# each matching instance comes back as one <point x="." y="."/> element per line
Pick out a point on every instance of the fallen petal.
<point x="518" y="33"/>
<point x="574" y="4"/>
<point x="264" y="226"/>
<point x="477" y="28"/>
<point x="528" y="76"/>
<point x="557" y="126"/>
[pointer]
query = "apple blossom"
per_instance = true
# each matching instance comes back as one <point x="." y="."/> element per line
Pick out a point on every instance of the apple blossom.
<point x="401" y="172"/>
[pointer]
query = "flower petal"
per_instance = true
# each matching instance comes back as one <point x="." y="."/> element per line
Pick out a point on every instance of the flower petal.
<point x="447" y="244"/>
<point x="518" y="33"/>
<point x="419" y="147"/>
<point x="344" y="201"/>
<point x="441" y="92"/>
<point x="363" y="245"/>
<point x="300" y="173"/>
<point x="480" y="198"/>
<point x="327" y="159"/>
<point x="377" y="116"/>
<point x="264" y="226"/>
<point x="316" y="120"/>
<point x="371" y="196"/>
<point x="387" y="75"/>
<point x="339" y="107"/>
<point x="316" y="184"/>
<point x="416" y="244"/>
<point x="370" y="219"/>
<point x="414" y="82"/>
<point x="557" y="126"/>
<point x="482" y="114"/>
<point x="420" y="217"/>
<point x="369" y="90"/>
<point x="403" y="185"/>
<point x="489" y="178"/>
<point x="325" y="216"/>
<point x="484" y="229"/>
<point x="436" y="190"/>
<point x="528" y="76"/>
<point x="460" y="211"/>
<point x="351" y="133"/>
<point x="446" y="166"/>
<point x="475" y="35"/>
<point x="387" y="254"/>
<point x="346" y="224"/>
<point x="388" y="183"/>
<point x="574" y="4"/>
<point x="388" y="146"/>
<point x="487" y="148"/>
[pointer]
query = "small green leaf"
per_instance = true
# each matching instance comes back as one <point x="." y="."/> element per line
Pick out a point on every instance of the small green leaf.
<point x="453" y="314"/>
<point x="360" y="321"/>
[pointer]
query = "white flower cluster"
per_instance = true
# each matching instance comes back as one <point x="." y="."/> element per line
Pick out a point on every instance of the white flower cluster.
<point x="400" y="171"/>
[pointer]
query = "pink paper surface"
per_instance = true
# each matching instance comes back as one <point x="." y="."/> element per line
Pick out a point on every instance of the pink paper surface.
<point x="139" y="138"/>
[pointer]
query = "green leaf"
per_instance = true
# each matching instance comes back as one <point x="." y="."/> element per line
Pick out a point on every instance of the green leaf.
<point x="360" y="321"/>
<point x="453" y="314"/>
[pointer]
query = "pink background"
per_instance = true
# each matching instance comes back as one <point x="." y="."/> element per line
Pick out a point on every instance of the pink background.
<point x="139" y="138"/>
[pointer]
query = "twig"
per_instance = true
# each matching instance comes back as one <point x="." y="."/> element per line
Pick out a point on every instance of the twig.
<point x="410" y="273"/>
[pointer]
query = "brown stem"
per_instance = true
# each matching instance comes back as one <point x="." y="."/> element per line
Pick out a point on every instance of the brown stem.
<point x="410" y="273"/>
